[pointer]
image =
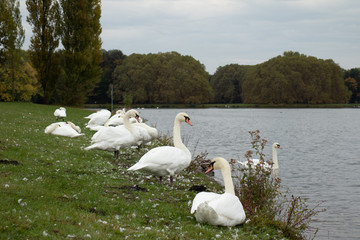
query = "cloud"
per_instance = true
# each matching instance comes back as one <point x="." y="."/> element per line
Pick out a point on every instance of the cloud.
<point x="219" y="32"/>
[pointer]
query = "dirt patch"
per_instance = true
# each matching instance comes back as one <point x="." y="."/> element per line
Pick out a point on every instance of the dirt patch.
<point x="6" y="161"/>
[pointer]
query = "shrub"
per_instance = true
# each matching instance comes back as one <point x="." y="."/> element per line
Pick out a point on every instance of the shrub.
<point x="258" y="188"/>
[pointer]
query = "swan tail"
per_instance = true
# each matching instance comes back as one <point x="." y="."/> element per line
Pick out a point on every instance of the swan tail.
<point x="206" y="214"/>
<point x="135" y="167"/>
<point x="93" y="146"/>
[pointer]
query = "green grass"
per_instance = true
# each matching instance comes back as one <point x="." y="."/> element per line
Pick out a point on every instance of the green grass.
<point x="60" y="191"/>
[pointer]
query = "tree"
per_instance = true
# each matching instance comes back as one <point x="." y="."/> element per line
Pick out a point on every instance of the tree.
<point x="110" y="59"/>
<point x="350" y="76"/>
<point x="295" y="78"/>
<point x="11" y="40"/>
<point x="26" y="85"/>
<point x="162" y="78"/>
<point x="82" y="49"/>
<point x="227" y="83"/>
<point x="45" y="19"/>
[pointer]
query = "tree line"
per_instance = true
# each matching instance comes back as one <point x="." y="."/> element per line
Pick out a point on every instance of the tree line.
<point x="66" y="65"/>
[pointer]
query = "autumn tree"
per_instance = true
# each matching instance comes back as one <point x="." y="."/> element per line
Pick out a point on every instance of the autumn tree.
<point x="82" y="49"/>
<point x="162" y="78"/>
<point x="26" y="85"/>
<point x="352" y="81"/>
<point x="45" y="19"/>
<point x="12" y="37"/>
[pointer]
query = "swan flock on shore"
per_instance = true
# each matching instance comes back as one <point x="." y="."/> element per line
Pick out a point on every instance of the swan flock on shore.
<point x="126" y="129"/>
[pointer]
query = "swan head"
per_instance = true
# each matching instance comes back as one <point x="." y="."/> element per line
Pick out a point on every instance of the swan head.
<point x="62" y="109"/>
<point x="183" y="117"/>
<point x="133" y="114"/>
<point x="217" y="163"/>
<point x="277" y="145"/>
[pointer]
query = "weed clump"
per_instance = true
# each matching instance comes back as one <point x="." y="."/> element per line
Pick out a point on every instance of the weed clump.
<point x="258" y="188"/>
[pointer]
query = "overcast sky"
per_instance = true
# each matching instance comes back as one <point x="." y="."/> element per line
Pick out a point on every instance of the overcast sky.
<point x="221" y="32"/>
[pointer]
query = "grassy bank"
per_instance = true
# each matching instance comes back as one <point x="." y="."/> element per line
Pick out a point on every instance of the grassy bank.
<point x="53" y="189"/>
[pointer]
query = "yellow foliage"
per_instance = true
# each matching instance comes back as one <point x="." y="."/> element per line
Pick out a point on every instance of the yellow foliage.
<point x="22" y="86"/>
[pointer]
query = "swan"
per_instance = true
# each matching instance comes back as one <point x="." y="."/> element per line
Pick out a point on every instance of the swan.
<point x="116" y="120"/>
<point x="219" y="209"/>
<point x="67" y="129"/>
<point x="152" y="132"/>
<point x="255" y="162"/>
<point x="98" y="119"/>
<point x="167" y="160"/>
<point x="114" y="138"/>
<point x="60" y="113"/>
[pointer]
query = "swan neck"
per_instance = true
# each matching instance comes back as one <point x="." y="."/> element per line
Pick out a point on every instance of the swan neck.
<point x="275" y="160"/>
<point x="228" y="182"/>
<point x="177" y="137"/>
<point x="127" y="123"/>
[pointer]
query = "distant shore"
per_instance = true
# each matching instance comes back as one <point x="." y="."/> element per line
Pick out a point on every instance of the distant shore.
<point x="220" y="105"/>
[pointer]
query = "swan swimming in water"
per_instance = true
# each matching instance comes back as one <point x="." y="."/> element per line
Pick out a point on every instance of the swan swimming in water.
<point x="255" y="162"/>
<point x="219" y="209"/>
<point x="167" y="160"/>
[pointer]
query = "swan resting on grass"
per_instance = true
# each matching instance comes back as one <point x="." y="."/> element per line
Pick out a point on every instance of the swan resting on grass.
<point x="66" y="129"/>
<point x="60" y="113"/>
<point x="219" y="209"/>
<point x="115" y="138"/>
<point x="254" y="162"/>
<point x="167" y="160"/>
<point x="97" y="119"/>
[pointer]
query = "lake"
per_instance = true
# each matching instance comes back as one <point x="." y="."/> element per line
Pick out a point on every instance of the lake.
<point x="319" y="160"/>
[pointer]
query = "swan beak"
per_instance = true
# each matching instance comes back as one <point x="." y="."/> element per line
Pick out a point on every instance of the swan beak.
<point x="137" y="118"/>
<point x="210" y="168"/>
<point x="188" y="121"/>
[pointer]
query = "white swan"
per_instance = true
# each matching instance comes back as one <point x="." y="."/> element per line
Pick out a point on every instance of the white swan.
<point x="115" y="120"/>
<point x="255" y="162"/>
<point x="152" y="132"/>
<point x="219" y="209"/>
<point x="115" y="138"/>
<point x="67" y="129"/>
<point x="167" y="160"/>
<point x="60" y="113"/>
<point x="98" y="119"/>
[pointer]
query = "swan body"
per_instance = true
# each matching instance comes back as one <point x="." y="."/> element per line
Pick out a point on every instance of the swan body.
<point x="67" y="129"/>
<point x="152" y="132"/>
<point x="116" y="120"/>
<point x="167" y="160"/>
<point x="98" y="118"/>
<point x="60" y="113"/>
<point x="115" y="138"/>
<point x="219" y="209"/>
<point x="254" y="162"/>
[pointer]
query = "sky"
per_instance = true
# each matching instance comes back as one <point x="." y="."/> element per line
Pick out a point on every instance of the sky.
<point x="221" y="32"/>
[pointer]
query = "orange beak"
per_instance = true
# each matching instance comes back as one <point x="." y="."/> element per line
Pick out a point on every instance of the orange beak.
<point x="210" y="169"/>
<point x="188" y="121"/>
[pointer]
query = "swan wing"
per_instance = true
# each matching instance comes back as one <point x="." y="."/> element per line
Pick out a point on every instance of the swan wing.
<point x="224" y="210"/>
<point x="201" y="198"/>
<point x="162" y="161"/>
<point x="66" y="130"/>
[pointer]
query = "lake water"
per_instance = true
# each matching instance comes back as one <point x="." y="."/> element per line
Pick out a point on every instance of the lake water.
<point x="319" y="160"/>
